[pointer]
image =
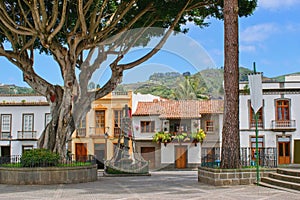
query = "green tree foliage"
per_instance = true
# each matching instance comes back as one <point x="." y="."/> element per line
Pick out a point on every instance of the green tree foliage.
<point x="207" y="83"/>
<point x="72" y="32"/>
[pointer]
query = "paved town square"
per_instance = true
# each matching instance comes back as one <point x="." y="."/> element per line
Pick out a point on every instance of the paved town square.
<point x="160" y="185"/>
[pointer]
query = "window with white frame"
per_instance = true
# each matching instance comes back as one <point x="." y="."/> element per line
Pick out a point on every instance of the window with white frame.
<point x="5" y="125"/>
<point x="48" y="118"/>
<point x="27" y="122"/>
<point x="147" y="126"/>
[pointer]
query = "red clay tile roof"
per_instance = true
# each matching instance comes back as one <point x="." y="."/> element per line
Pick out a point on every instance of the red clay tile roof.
<point x="180" y="109"/>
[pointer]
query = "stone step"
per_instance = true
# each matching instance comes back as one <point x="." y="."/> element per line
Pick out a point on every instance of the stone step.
<point x="284" y="177"/>
<point x="290" y="172"/>
<point x="280" y="183"/>
<point x="263" y="184"/>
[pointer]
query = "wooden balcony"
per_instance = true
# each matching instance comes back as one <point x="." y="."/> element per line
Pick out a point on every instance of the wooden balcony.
<point x="27" y="135"/>
<point x="283" y="125"/>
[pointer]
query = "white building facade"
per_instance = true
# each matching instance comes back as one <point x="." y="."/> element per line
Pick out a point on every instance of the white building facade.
<point x="22" y="120"/>
<point x="278" y="119"/>
<point x="176" y="117"/>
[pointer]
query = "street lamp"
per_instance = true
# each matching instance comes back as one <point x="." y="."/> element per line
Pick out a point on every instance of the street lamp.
<point x="10" y="148"/>
<point x="105" y="137"/>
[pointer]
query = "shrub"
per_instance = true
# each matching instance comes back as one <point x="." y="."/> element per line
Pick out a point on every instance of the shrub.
<point x="39" y="158"/>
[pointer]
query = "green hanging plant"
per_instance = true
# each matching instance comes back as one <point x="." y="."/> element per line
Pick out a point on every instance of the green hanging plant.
<point x="162" y="137"/>
<point x="198" y="137"/>
<point x="181" y="137"/>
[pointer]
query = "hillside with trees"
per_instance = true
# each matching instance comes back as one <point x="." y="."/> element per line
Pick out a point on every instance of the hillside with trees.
<point x="210" y="84"/>
<point x="13" y="89"/>
<point x="207" y="83"/>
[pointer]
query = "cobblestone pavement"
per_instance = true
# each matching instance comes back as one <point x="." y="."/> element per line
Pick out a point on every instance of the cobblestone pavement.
<point x="160" y="185"/>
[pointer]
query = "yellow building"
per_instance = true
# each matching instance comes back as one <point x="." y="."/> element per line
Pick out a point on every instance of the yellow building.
<point x="99" y="132"/>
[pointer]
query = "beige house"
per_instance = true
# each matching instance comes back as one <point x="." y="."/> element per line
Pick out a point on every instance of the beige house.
<point x="99" y="132"/>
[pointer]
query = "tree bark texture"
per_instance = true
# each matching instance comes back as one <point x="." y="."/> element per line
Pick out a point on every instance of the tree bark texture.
<point x="230" y="156"/>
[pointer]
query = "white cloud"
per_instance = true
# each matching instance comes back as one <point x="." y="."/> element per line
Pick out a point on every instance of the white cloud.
<point x="217" y="52"/>
<point x="247" y="48"/>
<point x="293" y="27"/>
<point x="277" y="4"/>
<point x="258" y="33"/>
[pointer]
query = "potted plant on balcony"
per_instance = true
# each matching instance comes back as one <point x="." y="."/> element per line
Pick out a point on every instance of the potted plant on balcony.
<point x="162" y="137"/>
<point x="181" y="137"/>
<point x="198" y="137"/>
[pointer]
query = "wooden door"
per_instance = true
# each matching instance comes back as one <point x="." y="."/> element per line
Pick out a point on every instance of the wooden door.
<point x="260" y="142"/>
<point x="181" y="157"/>
<point x="148" y="153"/>
<point x="297" y="151"/>
<point x="100" y="122"/>
<point x="81" y="152"/>
<point x="284" y="153"/>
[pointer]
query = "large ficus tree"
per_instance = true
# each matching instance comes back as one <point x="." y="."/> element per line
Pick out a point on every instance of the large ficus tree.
<point x="72" y="32"/>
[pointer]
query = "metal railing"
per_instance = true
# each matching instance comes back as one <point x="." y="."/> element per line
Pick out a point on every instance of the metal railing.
<point x="211" y="157"/>
<point x="5" y="136"/>
<point x="70" y="160"/>
<point x="118" y="93"/>
<point x="81" y="132"/>
<point x="26" y="135"/>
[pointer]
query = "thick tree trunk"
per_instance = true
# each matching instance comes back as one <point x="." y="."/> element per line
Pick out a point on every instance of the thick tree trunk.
<point x="230" y="133"/>
<point x="58" y="131"/>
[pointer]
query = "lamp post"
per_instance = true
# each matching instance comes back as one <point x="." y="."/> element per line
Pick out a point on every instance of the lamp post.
<point x="105" y="137"/>
<point x="10" y="149"/>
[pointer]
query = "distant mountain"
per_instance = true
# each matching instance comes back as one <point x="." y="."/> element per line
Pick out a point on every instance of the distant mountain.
<point x="13" y="89"/>
<point x="206" y="83"/>
<point x="210" y="83"/>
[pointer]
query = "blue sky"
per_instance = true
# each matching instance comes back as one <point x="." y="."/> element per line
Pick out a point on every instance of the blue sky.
<point x="270" y="37"/>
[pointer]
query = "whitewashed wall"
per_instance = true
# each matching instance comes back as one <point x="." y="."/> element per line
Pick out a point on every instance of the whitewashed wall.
<point x="194" y="153"/>
<point x="168" y="153"/>
<point x="271" y="137"/>
<point x="21" y="98"/>
<point x="16" y="120"/>
<point x="136" y="123"/>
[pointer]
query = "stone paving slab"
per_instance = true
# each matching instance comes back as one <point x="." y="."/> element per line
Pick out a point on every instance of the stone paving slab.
<point x="160" y="185"/>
